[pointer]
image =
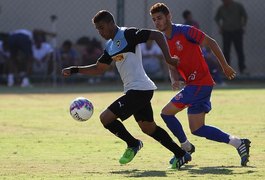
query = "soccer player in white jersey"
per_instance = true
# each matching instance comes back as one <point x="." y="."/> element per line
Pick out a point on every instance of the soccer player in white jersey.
<point x="123" y="47"/>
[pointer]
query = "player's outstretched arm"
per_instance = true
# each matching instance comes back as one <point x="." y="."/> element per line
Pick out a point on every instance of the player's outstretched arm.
<point x="229" y="72"/>
<point x="161" y="41"/>
<point x="94" y="69"/>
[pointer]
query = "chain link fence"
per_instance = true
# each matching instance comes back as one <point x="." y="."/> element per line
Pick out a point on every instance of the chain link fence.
<point x="71" y="20"/>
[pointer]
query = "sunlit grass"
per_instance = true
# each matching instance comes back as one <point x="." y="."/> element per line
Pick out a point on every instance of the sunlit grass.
<point x="40" y="140"/>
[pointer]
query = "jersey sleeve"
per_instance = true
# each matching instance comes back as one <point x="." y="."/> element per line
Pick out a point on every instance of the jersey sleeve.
<point x="193" y="34"/>
<point x="105" y="58"/>
<point x="137" y="36"/>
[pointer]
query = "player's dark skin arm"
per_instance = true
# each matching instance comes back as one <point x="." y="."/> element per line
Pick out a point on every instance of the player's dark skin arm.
<point x="159" y="38"/>
<point x="94" y="69"/>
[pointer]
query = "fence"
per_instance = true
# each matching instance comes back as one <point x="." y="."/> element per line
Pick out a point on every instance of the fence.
<point x="74" y="20"/>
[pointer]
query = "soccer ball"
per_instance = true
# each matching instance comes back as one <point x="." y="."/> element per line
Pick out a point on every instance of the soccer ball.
<point x="81" y="109"/>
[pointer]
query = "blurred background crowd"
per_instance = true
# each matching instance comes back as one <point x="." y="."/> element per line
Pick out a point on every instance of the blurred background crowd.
<point x="39" y="38"/>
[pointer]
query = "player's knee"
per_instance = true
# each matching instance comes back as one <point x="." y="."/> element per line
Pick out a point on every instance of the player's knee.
<point x="148" y="129"/>
<point x="167" y="110"/>
<point x="104" y="118"/>
<point x="164" y="111"/>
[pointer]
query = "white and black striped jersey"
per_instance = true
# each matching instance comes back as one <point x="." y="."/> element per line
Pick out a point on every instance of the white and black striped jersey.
<point x="125" y="50"/>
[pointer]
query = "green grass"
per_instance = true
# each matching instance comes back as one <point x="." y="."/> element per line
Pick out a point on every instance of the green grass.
<point x="39" y="139"/>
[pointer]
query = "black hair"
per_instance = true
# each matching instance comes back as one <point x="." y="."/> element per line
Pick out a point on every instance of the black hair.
<point x="67" y="43"/>
<point x="185" y="14"/>
<point x="104" y="16"/>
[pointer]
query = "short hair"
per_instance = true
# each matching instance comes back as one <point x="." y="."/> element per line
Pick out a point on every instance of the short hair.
<point x="104" y="16"/>
<point x="185" y="14"/>
<point x="159" y="7"/>
<point x="67" y="43"/>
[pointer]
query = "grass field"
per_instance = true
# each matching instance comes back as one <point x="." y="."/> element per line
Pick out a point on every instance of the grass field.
<point x="39" y="139"/>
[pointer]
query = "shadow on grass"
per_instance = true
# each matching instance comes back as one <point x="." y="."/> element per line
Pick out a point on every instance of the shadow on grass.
<point x="141" y="173"/>
<point x="222" y="170"/>
<point x="214" y="170"/>
<point x="191" y="169"/>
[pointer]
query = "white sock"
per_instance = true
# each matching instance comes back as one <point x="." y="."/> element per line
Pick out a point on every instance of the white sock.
<point x="235" y="141"/>
<point x="186" y="146"/>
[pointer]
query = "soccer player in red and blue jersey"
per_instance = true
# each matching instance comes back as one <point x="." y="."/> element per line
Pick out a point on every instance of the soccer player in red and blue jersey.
<point x="184" y="42"/>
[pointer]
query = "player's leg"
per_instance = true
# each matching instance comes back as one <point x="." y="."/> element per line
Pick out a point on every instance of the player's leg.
<point x="118" y="109"/>
<point x="149" y="127"/>
<point x="177" y="104"/>
<point x="196" y="115"/>
<point x="110" y="122"/>
<point x="160" y="135"/>
<point x="199" y="106"/>
<point x="168" y="115"/>
<point x="198" y="128"/>
<point x="122" y="108"/>
<point x="145" y="120"/>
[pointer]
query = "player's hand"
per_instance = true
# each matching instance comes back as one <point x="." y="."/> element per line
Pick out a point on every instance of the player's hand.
<point x="174" y="61"/>
<point x="229" y="72"/>
<point x="177" y="85"/>
<point x="66" y="71"/>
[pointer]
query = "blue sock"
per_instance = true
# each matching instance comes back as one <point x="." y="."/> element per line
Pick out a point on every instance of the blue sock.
<point x="175" y="127"/>
<point x="212" y="133"/>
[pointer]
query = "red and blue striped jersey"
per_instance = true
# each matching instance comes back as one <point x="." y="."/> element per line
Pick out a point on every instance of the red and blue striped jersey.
<point x="185" y="43"/>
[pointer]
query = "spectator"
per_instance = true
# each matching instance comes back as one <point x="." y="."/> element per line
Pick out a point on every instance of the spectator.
<point x="21" y="55"/>
<point x="42" y="53"/>
<point x="188" y="19"/>
<point x="68" y="55"/>
<point x="152" y="60"/>
<point x="4" y="55"/>
<point x="82" y="44"/>
<point x="89" y="50"/>
<point x="231" y="18"/>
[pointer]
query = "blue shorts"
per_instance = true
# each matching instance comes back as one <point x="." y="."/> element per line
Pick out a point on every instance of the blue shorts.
<point x="196" y="98"/>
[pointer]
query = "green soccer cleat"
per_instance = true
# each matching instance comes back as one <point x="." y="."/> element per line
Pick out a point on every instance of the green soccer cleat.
<point x="178" y="162"/>
<point x="243" y="151"/>
<point x="130" y="153"/>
